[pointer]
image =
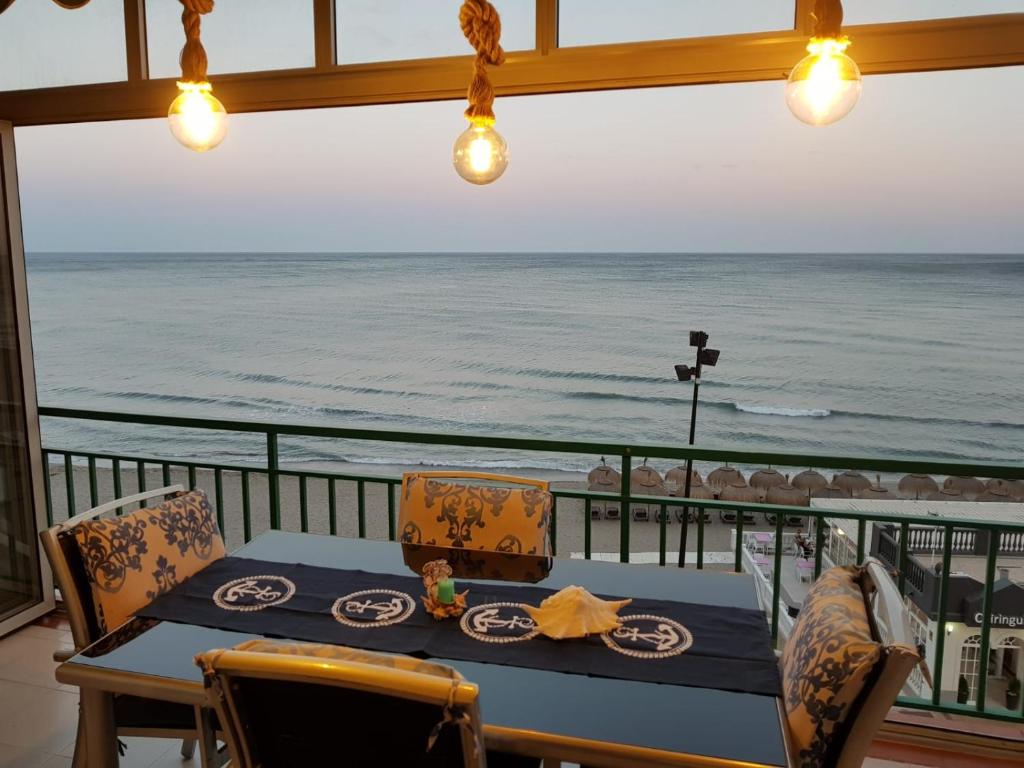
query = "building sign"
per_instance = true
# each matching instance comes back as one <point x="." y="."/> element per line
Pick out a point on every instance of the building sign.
<point x="1006" y="610"/>
<point x="998" y="620"/>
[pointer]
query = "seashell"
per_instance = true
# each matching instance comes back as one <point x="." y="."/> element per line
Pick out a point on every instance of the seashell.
<point x="574" y="612"/>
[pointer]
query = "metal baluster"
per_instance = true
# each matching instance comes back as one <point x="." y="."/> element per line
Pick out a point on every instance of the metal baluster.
<point x="69" y="485"/>
<point x="587" y="503"/>
<point x="332" y="507"/>
<point x="777" y="576"/>
<point x="391" y="511"/>
<point x="115" y="468"/>
<point x="94" y="491"/>
<point x="361" y="507"/>
<point x="662" y="534"/>
<point x="140" y="476"/>
<point x="819" y="544"/>
<point x="862" y="526"/>
<point x="902" y="563"/>
<point x="166" y="469"/>
<point x="940" y="637"/>
<point x="554" y="525"/>
<point x="625" y="513"/>
<point x="273" y="482"/>
<point x="986" y="617"/>
<point x="246" y="510"/>
<point x="699" y="511"/>
<point x="738" y="565"/>
<point x="47" y="490"/>
<point x="191" y="477"/>
<point x="303" y="505"/>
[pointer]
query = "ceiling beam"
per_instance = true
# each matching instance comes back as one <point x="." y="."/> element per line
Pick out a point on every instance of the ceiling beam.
<point x="919" y="46"/>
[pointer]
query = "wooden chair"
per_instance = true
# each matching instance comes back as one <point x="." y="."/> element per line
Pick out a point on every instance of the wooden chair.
<point x="846" y="660"/>
<point x="134" y="716"/>
<point x="291" y="704"/>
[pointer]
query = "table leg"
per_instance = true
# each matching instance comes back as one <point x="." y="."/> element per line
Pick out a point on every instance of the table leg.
<point x="100" y="732"/>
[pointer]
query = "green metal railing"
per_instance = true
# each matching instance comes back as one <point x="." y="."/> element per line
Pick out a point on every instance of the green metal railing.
<point x="273" y="473"/>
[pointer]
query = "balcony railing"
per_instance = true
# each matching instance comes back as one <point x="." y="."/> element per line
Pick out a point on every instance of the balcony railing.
<point x="901" y="536"/>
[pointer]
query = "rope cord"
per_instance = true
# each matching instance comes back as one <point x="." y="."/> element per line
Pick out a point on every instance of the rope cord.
<point x="193" y="55"/>
<point x="828" y="18"/>
<point x="481" y="25"/>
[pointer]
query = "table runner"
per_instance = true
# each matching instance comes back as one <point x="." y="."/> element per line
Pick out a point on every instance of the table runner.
<point x="660" y="641"/>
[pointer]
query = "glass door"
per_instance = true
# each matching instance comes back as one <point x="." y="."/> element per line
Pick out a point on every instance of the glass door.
<point x="25" y="588"/>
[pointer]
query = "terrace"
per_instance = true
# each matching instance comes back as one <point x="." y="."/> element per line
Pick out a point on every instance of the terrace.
<point x="957" y="572"/>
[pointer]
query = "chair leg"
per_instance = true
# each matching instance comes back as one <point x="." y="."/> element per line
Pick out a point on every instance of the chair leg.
<point x="208" y="755"/>
<point x="78" y="759"/>
<point x="188" y="748"/>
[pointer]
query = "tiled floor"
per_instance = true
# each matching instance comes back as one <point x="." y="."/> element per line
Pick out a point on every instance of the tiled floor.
<point x="38" y="715"/>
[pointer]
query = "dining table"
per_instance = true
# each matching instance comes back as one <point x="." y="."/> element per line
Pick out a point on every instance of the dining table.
<point x="588" y="719"/>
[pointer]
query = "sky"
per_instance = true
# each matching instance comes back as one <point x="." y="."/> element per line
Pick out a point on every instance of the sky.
<point x="925" y="162"/>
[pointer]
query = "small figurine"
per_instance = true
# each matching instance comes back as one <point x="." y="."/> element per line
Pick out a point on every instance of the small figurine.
<point x="441" y="601"/>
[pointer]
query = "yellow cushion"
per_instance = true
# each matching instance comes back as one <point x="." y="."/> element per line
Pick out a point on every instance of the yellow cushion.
<point x="461" y="510"/>
<point x="132" y="559"/>
<point x="826" y="665"/>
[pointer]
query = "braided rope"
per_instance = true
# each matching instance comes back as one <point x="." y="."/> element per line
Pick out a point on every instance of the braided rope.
<point x="193" y="55"/>
<point x="481" y="25"/>
<point x="828" y="18"/>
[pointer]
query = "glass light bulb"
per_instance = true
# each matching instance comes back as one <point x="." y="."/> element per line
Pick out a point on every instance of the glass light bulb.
<point x="825" y="85"/>
<point x="480" y="154"/>
<point x="198" y="120"/>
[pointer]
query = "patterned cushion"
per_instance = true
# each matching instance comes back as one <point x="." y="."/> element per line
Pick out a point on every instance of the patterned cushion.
<point x="827" y="663"/>
<point x="438" y="510"/>
<point x="130" y="560"/>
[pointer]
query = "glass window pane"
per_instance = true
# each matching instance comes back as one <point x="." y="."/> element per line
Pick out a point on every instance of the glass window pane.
<point x="43" y="45"/>
<point x="592" y="22"/>
<point x="878" y="11"/>
<point x="239" y="36"/>
<point x="371" y="30"/>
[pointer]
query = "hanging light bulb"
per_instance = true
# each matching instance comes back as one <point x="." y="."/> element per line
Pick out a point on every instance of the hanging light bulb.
<point x="197" y="118"/>
<point x="480" y="154"/>
<point x="825" y="85"/>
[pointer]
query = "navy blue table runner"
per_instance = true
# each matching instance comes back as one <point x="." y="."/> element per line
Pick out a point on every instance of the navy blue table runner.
<point x="660" y="641"/>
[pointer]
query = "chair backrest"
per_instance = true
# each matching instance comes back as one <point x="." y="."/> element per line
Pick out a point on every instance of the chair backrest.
<point x="303" y="704"/>
<point x="107" y="568"/>
<point x="841" y="672"/>
<point x="476" y="510"/>
<point x="68" y="568"/>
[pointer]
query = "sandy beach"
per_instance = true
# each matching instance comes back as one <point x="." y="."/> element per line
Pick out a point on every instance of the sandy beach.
<point x="644" y="536"/>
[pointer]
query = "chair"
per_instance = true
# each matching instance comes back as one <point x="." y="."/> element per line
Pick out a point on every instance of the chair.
<point x="476" y="511"/>
<point x="846" y="660"/>
<point x="303" y="704"/>
<point x="133" y="715"/>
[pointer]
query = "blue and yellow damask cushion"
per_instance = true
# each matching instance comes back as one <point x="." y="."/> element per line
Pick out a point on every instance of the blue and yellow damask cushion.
<point x="132" y="559"/>
<point x="828" y="663"/>
<point x="468" y="510"/>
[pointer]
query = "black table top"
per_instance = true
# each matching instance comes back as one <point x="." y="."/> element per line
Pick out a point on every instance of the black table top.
<point x="723" y="724"/>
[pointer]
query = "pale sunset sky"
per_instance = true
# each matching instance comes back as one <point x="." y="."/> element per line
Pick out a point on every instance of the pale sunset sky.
<point x="925" y="162"/>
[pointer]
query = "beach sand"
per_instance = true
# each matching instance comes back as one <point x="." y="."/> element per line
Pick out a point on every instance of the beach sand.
<point x="644" y="536"/>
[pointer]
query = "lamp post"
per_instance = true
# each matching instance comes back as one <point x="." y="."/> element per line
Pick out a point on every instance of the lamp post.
<point x="708" y="357"/>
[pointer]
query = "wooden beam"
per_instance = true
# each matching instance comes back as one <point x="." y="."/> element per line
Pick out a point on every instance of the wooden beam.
<point x="546" y="21"/>
<point x="980" y="41"/>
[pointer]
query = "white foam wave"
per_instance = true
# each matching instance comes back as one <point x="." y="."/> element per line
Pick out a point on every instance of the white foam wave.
<point x="774" y="410"/>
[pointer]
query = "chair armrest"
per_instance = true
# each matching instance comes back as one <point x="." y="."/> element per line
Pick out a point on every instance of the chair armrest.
<point x="63" y="654"/>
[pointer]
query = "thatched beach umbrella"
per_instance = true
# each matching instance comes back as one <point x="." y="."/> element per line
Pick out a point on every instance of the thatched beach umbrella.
<point x="696" y="492"/>
<point x="737" y="491"/>
<point x="851" y="482"/>
<point x="809" y="480"/>
<point x="725" y="476"/>
<point x="764" y="479"/>
<point x="606" y="480"/>
<point x="787" y="494"/>
<point x="917" y="486"/>
<point x="878" y="491"/>
<point x="831" y="492"/>
<point x="678" y="475"/>
<point x="646" y="481"/>
<point x="946" y="494"/>
<point x="1015" y="488"/>
<point x="969" y="487"/>
<point x="995" y="494"/>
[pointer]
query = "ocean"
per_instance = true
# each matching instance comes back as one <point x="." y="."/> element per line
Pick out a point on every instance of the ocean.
<point x="894" y="355"/>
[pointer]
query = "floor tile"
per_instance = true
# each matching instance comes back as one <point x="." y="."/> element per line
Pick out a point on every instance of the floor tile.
<point x="27" y="657"/>
<point x="57" y="761"/>
<point x="142" y="753"/>
<point x="21" y="757"/>
<point x="42" y="719"/>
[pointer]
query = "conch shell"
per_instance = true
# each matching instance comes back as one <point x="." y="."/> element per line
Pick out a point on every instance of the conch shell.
<point x="574" y="612"/>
